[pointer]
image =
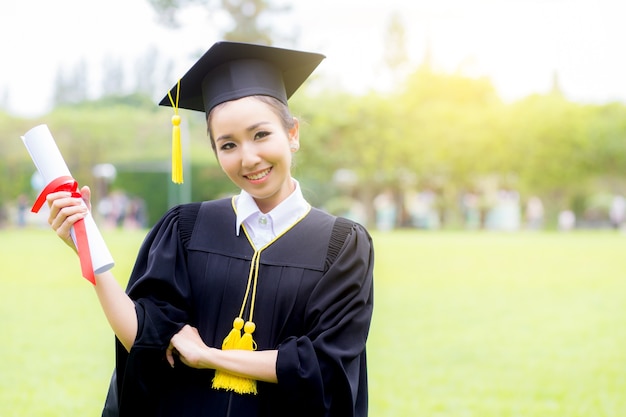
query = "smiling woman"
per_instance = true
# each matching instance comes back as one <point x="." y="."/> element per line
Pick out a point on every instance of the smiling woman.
<point x="258" y="305"/>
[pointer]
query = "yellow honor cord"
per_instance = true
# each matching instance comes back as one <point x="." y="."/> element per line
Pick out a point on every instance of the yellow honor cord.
<point x="177" y="152"/>
<point x="235" y="340"/>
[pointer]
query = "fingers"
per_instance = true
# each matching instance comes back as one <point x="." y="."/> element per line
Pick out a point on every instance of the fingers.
<point x="171" y="349"/>
<point x="187" y="346"/>
<point x="169" y="355"/>
<point x="65" y="210"/>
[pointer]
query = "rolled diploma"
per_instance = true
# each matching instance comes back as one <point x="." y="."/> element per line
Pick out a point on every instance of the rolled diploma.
<point x="51" y="165"/>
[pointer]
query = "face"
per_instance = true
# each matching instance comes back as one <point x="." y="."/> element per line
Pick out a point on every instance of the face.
<point x="254" y="150"/>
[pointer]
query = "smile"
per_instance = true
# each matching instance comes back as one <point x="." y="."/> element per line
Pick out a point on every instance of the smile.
<point x="258" y="175"/>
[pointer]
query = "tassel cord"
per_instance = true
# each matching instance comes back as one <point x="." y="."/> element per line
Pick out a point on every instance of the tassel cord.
<point x="177" y="154"/>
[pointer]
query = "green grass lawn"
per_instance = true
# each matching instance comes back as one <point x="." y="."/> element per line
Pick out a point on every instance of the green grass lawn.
<point x="465" y="324"/>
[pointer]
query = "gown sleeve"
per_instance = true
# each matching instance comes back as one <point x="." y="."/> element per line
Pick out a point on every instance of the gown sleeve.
<point x="159" y="288"/>
<point x="159" y="282"/>
<point x="324" y="371"/>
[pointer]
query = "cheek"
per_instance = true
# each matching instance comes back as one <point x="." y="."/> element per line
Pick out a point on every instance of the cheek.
<point x="225" y="163"/>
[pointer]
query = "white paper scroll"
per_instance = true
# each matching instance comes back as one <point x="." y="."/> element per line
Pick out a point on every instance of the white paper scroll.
<point x="51" y="165"/>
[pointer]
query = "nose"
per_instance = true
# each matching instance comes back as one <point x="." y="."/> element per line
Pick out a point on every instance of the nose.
<point x="249" y="156"/>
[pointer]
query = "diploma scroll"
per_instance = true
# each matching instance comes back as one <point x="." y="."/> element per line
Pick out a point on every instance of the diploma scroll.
<point x="51" y="166"/>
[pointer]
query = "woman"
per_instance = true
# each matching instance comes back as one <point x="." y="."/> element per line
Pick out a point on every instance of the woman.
<point x="257" y="305"/>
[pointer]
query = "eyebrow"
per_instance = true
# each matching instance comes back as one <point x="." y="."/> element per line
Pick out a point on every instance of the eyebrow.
<point x="250" y="128"/>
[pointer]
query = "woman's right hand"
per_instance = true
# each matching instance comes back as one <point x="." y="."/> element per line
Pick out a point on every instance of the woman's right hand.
<point x="66" y="210"/>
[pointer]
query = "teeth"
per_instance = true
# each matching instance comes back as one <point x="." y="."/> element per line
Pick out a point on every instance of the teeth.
<point x="259" y="175"/>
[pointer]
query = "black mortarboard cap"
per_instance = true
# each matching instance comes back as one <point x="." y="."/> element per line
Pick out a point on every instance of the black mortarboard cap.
<point x="233" y="70"/>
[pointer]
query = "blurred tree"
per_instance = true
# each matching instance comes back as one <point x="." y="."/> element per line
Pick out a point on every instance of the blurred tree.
<point x="71" y="87"/>
<point x="395" y="54"/>
<point x="145" y="71"/>
<point x="113" y="77"/>
<point x="395" y="60"/>
<point x="556" y="85"/>
<point x="448" y="123"/>
<point x="4" y="98"/>
<point x="446" y="131"/>
<point x="549" y="147"/>
<point x="606" y="130"/>
<point x="168" y="9"/>
<point x="246" y="16"/>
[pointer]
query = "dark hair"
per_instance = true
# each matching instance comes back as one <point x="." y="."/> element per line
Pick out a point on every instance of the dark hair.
<point x="277" y="106"/>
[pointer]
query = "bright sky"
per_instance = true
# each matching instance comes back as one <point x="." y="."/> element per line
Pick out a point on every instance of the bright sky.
<point x="519" y="44"/>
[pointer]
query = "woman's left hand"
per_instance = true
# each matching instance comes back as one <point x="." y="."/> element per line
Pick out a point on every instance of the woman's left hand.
<point x="189" y="347"/>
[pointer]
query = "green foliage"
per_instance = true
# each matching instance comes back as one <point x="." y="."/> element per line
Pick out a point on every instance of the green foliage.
<point x="450" y="122"/>
<point x="606" y="133"/>
<point x="446" y="132"/>
<point x="452" y="133"/>
<point x="159" y="194"/>
<point x="15" y="169"/>
<point x="555" y="155"/>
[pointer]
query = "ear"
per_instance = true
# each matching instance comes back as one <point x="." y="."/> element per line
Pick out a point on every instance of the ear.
<point x="294" y="135"/>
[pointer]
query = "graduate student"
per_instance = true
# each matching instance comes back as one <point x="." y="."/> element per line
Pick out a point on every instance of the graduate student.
<point x="256" y="305"/>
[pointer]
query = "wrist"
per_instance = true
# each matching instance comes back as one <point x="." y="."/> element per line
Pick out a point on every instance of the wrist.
<point x="208" y="358"/>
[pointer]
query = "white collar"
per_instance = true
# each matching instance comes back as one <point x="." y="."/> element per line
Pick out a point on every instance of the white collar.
<point x="283" y="215"/>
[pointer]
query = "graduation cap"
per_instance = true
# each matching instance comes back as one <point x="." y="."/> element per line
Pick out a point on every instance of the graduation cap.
<point x="233" y="70"/>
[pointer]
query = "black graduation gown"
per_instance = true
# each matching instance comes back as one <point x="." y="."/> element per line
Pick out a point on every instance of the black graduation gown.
<point x="314" y="304"/>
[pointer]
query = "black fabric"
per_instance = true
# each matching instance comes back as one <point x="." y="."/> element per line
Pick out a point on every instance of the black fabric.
<point x="111" y="407"/>
<point x="314" y="311"/>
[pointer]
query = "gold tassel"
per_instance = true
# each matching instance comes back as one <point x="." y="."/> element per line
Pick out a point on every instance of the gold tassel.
<point x="247" y="342"/>
<point x="177" y="152"/>
<point x="234" y="340"/>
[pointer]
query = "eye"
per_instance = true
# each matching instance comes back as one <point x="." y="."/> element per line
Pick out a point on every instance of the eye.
<point x="227" y="146"/>
<point x="261" y="134"/>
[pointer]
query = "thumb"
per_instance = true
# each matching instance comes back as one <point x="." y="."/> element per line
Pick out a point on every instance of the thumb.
<point x="85" y="192"/>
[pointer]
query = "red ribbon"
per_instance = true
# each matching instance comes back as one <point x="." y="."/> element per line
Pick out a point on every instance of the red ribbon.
<point x="66" y="183"/>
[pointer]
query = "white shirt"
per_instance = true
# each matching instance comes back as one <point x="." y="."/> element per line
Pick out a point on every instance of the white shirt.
<point x="263" y="227"/>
